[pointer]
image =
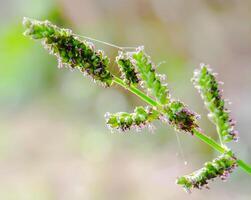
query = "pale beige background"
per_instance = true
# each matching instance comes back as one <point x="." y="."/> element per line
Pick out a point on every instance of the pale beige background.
<point x="53" y="141"/>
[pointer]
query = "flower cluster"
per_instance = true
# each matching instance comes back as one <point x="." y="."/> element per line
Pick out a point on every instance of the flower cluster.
<point x="219" y="167"/>
<point x="70" y="50"/>
<point x="137" y="70"/>
<point x="177" y="114"/>
<point x="180" y="117"/>
<point x="127" y="68"/>
<point x="205" y="81"/>
<point x="150" y="79"/>
<point x="140" y="118"/>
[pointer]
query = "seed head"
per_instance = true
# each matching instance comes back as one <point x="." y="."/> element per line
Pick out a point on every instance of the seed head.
<point x="70" y="50"/>
<point x="139" y="119"/>
<point x="148" y="76"/>
<point x="220" y="167"/>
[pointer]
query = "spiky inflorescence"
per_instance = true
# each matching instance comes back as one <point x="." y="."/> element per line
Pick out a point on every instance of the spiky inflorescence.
<point x="219" y="167"/>
<point x="140" y="118"/>
<point x="177" y="114"/>
<point x="150" y="79"/>
<point x="180" y="117"/>
<point x="136" y="67"/>
<point x="127" y="68"/>
<point x="205" y="81"/>
<point x="70" y="50"/>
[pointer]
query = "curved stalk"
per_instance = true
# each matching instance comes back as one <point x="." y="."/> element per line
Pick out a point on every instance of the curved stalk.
<point x="209" y="141"/>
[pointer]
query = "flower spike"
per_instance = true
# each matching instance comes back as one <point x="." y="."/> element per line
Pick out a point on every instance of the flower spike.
<point x="140" y="118"/>
<point x="219" y="167"/>
<point x="180" y="117"/>
<point x="148" y="76"/>
<point x="127" y="68"/>
<point x="70" y="50"/>
<point x="205" y="81"/>
<point x="176" y="113"/>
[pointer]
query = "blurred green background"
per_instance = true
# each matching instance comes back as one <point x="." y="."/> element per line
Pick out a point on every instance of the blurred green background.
<point x="53" y="141"/>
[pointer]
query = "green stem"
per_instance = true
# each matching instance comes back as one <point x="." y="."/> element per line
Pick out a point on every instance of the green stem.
<point x="135" y="91"/>
<point x="244" y="166"/>
<point x="220" y="136"/>
<point x="196" y="132"/>
<point x="209" y="141"/>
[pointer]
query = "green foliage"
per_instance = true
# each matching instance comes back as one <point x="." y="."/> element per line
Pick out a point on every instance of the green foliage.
<point x="205" y="81"/>
<point x="137" y="67"/>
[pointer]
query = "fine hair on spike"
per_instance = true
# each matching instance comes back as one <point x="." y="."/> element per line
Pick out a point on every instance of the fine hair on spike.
<point x="106" y="43"/>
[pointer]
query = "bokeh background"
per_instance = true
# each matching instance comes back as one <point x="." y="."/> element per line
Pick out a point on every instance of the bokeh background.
<point x="53" y="141"/>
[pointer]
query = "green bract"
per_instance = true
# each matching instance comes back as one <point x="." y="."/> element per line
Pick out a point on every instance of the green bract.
<point x="71" y="51"/>
<point x="140" y="118"/>
<point x="219" y="167"/>
<point x="205" y="81"/>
